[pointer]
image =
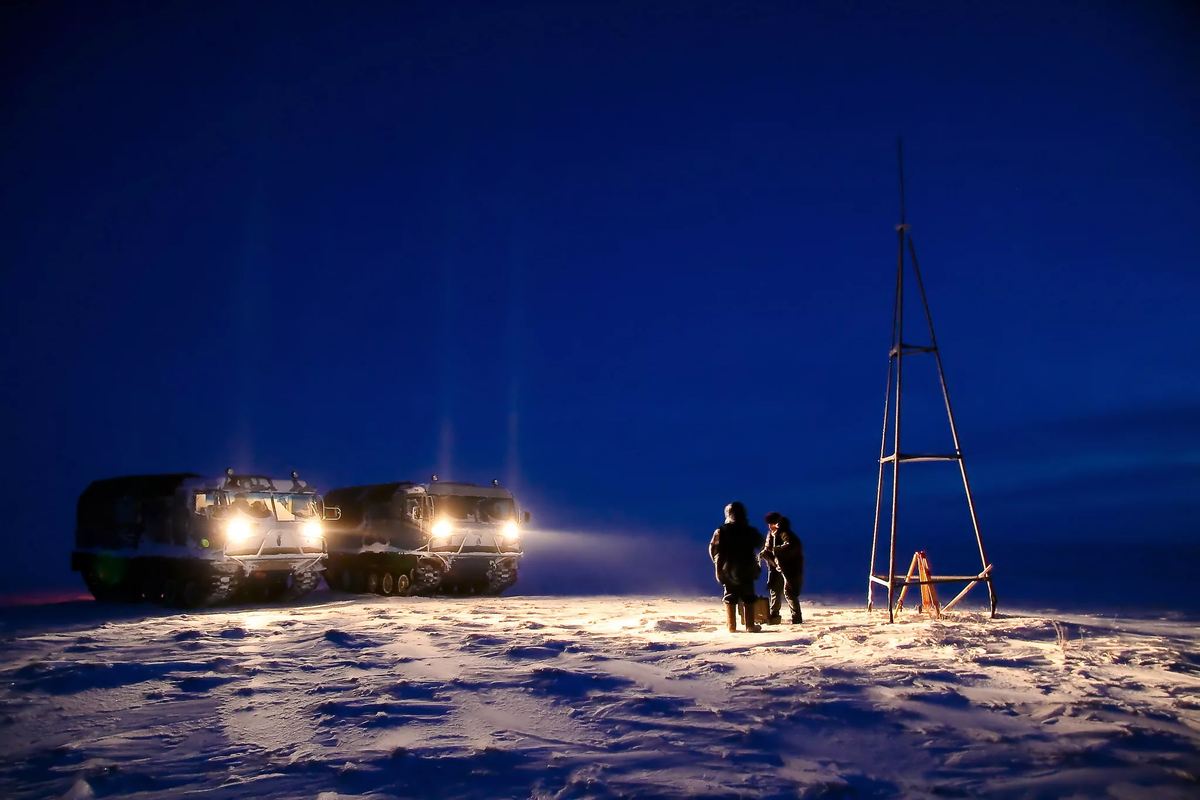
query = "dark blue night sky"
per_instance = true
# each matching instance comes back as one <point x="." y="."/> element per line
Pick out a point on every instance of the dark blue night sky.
<point x="635" y="259"/>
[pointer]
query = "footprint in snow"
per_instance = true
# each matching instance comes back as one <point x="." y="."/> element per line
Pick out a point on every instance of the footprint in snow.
<point x="203" y="683"/>
<point x="678" y="626"/>
<point x="347" y="640"/>
<point x="474" y="640"/>
<point x="535" y="652"/>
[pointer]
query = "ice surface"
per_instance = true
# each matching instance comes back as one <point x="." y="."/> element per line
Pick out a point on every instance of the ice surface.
<point x="590" y="697"/>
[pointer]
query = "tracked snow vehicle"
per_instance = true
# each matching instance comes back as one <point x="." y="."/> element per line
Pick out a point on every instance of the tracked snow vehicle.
<point x="189" y="541"/>
<point x="424" y="538"/>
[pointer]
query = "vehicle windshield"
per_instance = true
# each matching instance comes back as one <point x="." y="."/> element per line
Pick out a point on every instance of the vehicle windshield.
<point x="474" y="509"/>
<point x="252" y="504"/>
<point x="297" y="506"/>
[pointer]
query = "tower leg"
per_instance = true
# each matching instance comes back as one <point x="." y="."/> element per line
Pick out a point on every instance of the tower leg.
<point x="983" y="559"/>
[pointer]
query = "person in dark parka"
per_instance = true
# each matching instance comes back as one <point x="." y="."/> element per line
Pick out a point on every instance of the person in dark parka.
<point x="734" y="550"/>
<point x="784" y="553"/>
<point x="774" y="576"/>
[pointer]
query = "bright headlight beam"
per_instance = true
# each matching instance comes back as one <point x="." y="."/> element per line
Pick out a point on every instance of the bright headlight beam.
<point x="237" y="530"/>
<point x="441" y="528"/>
<point x="311" y="529"/>
<point x="511" y="531"/>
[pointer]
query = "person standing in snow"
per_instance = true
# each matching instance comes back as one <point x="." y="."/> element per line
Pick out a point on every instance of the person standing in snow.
<point x="774" y="576"/>
<point x="734" y="551"/>
<point x="784" y="555"/>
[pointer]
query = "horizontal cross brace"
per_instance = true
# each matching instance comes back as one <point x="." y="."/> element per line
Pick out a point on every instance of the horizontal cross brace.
<point x="910" y="349"/>
<point x="919" y="457"/>
<point x="901" y="581"/>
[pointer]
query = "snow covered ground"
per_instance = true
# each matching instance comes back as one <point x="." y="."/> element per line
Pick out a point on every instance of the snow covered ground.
<point x="590" y="697"/>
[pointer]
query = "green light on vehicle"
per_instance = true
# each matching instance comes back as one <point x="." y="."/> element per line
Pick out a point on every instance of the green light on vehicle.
<point x="204" y="542"/>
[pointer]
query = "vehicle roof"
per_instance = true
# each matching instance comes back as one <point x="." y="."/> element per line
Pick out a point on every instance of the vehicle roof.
<point x="378" y="492"/>
<point x="460" y="489"/>
<point x="249" y="483"/>
<point x="143" y="485"/>
<point x="166" y="484"/>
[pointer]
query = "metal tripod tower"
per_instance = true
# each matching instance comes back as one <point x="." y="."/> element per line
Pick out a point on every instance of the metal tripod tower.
<point x="900" y="348"/>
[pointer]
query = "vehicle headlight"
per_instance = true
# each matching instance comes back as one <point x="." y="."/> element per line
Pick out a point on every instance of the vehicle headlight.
<point x="441" y="529"/>
<point x="238" y="530"/>
<point x="511" y="531"/>
<point x="311" y="530"/>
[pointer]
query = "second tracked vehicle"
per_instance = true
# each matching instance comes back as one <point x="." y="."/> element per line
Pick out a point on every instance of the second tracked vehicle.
<point x="425" y="538"/>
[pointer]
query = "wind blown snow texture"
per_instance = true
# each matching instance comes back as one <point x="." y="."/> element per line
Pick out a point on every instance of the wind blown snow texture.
<point x="587" y="697"/>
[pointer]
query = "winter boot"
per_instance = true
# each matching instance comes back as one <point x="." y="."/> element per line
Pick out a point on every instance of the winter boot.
<point x="748" y="618"/>
<point x="797" y="616"/>
<point x="731" y="616"/>
<point x="775" y="619"/>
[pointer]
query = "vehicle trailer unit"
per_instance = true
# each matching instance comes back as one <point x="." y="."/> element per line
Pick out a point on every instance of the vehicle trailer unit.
<point x="188" y="541"/>
<point x="424" y="538"/>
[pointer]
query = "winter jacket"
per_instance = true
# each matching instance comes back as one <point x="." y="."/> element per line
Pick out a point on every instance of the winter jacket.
<point x="734" y="551"/>
<point x="786" y="552"/>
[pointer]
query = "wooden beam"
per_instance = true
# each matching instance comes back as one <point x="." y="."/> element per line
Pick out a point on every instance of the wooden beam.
<point x="911" y="568"/>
